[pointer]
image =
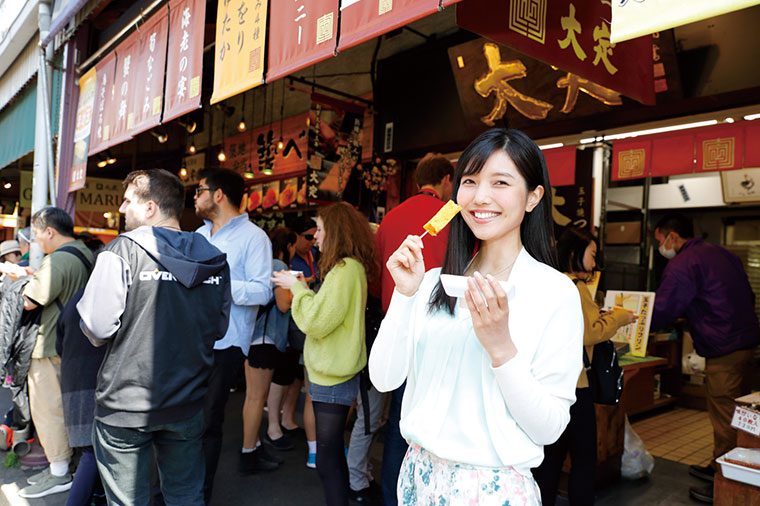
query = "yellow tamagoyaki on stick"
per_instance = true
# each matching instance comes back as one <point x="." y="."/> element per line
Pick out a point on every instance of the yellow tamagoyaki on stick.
<point x="441" y="218"/>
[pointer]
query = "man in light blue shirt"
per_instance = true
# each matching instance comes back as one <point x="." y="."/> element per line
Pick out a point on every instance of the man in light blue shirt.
<point x="249" y="254"/>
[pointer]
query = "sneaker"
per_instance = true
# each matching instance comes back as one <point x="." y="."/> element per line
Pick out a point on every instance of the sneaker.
<point x="250" y="463"/>
<point x="702" y="494"/>
<point x="311" y="461"/>
<point x="706" y="473"/>
<point x="291" y="432"/>
<point x="363" y="497"/>
<point x="265" y="455"/>
<point x="50" y="484"/>
<point x="37" y="478"/>
<point x="282" y="443"/>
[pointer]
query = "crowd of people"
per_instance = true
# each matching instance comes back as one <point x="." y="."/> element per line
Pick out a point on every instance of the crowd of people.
<point x="132" y="348"/>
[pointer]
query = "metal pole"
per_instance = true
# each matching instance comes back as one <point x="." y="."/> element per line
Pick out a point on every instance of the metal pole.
<point x="41" y="140"/>
<point x="48" y="132"/>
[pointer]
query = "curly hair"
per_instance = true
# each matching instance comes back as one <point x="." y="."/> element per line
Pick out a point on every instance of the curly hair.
<point x="347" y="234"/>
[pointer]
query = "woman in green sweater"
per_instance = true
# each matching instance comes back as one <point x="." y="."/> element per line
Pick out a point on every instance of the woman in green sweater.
<point x="333" y="321"/>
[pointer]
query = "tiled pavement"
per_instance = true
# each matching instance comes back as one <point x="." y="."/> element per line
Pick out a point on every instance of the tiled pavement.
<point x="681" y="435"/>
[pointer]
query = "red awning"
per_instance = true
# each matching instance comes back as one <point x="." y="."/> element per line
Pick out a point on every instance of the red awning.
<point x="560" y="162"/>
<point x="149" y="64"/>
<point x="672" y="154"/>
<point x="301" y="33"/>
<point x="752" y="144"/>
<point x="719" y="148"/>
<point x="184" y="66"/>
<point x="631" y="159"/>
<point x="361" y="20"/>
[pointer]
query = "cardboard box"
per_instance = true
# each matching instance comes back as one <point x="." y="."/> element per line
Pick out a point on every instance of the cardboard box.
<point x="623" y="232"/>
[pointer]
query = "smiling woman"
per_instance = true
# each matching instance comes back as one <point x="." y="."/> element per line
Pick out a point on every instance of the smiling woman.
<point x="489" y="379"/>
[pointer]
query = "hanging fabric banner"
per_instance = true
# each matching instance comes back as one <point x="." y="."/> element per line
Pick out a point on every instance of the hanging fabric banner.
<point x="301" y="33"/>
<point x="361" y="20"/>
<point x="719" y="148"/>
<point x="83" y="128"/>
<point x="102" y="121"/>
<point x="631" y="159"/>
<point x="184" y="66"/>
<point x="672" y="154"/>
<point x="574" y="40"/>
<point x="149" y="64"/>
<point x="125" y="88"/>
<point x="641" y="17"/>
<point x="560" y="162"/>
<point x="241" y="33"/>
<point x="752" y="144"/>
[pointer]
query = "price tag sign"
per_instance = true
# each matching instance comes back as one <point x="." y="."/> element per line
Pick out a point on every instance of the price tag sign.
<point x="746" y="420"/>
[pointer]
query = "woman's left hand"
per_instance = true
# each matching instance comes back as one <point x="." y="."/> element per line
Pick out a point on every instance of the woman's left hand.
<point x="286" y="280"/>
<point x="489" y="308"/>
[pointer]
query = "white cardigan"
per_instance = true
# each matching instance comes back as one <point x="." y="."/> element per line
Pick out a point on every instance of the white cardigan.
<point x="456" y="405"/>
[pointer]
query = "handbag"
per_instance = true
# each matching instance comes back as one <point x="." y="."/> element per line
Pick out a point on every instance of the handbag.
<point x="605" y="376"/>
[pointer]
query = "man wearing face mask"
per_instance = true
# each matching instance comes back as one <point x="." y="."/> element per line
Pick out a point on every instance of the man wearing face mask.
<point x="708" y="285"/>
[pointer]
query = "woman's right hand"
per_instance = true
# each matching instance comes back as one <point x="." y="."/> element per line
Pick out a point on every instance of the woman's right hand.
<point x="629" y="315"/>
<point x="406" y="265"/>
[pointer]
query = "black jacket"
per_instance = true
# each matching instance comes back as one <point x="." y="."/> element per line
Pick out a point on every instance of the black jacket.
<point x="160" y="299"/>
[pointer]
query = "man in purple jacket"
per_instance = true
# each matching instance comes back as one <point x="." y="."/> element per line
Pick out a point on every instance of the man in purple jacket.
<point x="708" y="285"/>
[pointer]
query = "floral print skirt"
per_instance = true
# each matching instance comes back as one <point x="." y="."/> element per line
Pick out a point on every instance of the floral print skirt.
<point x="426" y="480"/>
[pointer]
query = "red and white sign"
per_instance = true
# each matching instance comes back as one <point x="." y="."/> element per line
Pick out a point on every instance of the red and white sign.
<point x="361" y="20"/>
<point x="149" y="77"/>
<point x="125" y="88"/>
<point x="100" y="136"/>
<point x="184" y="67"/>
<point x="301" y="33"/>
<point x="746" y="420"/>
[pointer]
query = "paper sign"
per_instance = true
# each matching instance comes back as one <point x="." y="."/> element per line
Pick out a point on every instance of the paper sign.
<point x="635" y="334"/>
<point x="746" y="420"/>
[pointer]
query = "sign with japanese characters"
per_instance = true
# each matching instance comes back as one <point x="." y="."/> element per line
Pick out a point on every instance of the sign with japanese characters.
<point x="570" y="35"/>
<point x="572" y="203"/>
<point x="301" y="33"/>
<point x="640" y="17"/>
<point x="184" y="66"/>
<point x="241" y="32"/>
<point x="361" y="20"/>
<point x="193" y="164"/>
<point x="747" y="420"/>
<point x="148" y="80"/>
<point x="636" y="334"/>
<point x="258" y="151"/>
<point x="100" y="195"/>
<point x="82" y="129"/>
<point x="100" y="135"/>
<point x="500" y="86"/>
<point x="125" y="87"/>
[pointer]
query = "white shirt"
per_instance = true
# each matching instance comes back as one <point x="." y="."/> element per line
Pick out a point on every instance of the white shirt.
<point x="456" y="405"/>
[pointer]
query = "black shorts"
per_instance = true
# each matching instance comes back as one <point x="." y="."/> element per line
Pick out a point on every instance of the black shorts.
<point x="263" y="356"/>
<point x="288" y="369"/>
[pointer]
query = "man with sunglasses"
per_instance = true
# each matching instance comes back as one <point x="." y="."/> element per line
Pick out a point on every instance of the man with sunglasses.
<point x="249" y="255"/>
<point x="304" y="260"/>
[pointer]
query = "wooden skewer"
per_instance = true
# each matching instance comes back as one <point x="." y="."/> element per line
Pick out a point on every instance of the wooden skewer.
<point x="423" y="235"/>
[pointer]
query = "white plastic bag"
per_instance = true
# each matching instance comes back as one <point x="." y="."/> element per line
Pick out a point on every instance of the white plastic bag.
<point x="636" y="462"/>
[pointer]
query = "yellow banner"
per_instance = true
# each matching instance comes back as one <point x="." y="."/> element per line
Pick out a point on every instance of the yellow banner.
<point x="25" y="189"/>
<point x="240" y="45"/>
<point x="634" y="18"/>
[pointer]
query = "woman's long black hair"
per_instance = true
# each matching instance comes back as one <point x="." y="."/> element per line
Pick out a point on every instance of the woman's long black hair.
<point x="536" y="229"/>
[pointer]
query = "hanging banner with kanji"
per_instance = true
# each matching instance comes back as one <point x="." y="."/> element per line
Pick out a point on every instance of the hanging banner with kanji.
<point x="301" y="33"/>
<point x="125" y="87"/>
<point x="149" y="73"/>
<point x="334" y="147"/>
<point x="631" y="159"/>
<point x="361" y="20"/>
<point x="560" y="162"/>
<point x="241" y="33"/>
<point x="574" y="40"/>
<point x="256" y="152"/>
<point x="572" y="204"/>
<point x="100" y="135"/>
<point x="184" y="66"/>
<point x="87" y="85"/>
<point x="641" y="17"/>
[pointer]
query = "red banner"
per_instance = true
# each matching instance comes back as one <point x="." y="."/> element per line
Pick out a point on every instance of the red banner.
<point x="719" y="148"/>
<point x="100" y="136"/>
<point x="361" y="20"/>
<point x="752" y="144"/>
<point x="125" y="88"/>
<point x="577" y="41"/>
<point x="184" y="67"/>
<point x="631" y="159"/>
<point x="258" y="149"/>
<point x="301" y="33"/>
<point x="149" y="79"/>
<point x="560" y="162"/>
<point x="672" y="154"/>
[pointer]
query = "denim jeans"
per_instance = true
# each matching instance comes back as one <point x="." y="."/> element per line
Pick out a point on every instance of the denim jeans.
<point x="394" y="449"/>
<point x="343" y="393"/>
<point x="124" y="459"/>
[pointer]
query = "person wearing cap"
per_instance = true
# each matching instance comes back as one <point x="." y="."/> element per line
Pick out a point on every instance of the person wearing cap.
<point x="24" y="238"/>
<point x="10" y="251"/>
